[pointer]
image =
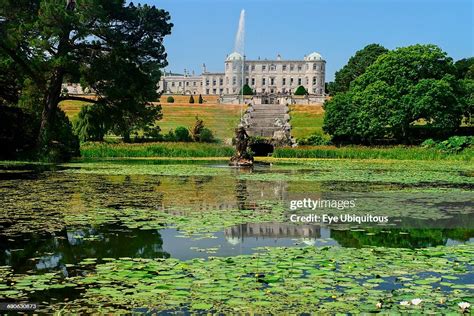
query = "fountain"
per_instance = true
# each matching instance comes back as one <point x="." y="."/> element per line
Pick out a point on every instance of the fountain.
<point x="239" y="45"/>
<point x="242" y="157"/>
<point x="239" y="37"/>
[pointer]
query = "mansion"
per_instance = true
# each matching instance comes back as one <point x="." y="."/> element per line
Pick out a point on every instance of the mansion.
<point x="265" y="77"/>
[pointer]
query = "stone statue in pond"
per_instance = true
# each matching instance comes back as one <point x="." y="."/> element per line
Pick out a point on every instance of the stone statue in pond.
<point x="242" y="157"/>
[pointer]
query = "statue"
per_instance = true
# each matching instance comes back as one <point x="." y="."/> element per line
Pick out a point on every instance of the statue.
<point x="241" y="158"/>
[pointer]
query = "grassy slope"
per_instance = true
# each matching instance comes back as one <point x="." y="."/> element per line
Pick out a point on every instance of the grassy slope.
<point x="306" y="120"/>
<point x="221" y="119"/>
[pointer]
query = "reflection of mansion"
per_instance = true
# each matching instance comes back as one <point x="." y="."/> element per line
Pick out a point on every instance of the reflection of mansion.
<point x="276" y="79"/>
<point x="307" y="233"/>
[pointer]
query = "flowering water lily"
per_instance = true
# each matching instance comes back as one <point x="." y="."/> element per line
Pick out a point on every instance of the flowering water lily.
<point x="404" y="303"/>
<point x="416" y="301"/>
<point x="379" y="305"/>
<point x="464" y="305"/>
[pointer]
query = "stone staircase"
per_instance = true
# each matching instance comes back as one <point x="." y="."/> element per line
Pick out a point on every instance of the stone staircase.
<point x="265" y="119"/>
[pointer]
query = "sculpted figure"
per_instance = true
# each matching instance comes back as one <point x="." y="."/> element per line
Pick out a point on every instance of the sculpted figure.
<point x="242" y="158"/>
<point x="241" y="137"/>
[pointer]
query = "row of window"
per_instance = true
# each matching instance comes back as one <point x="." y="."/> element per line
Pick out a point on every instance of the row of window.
<point x="284" y="81"/>
<point x="250" y="81"/>
<point x="273" y="67"/>
<point x="180" y="83"/>
<point x="263" y="90"/>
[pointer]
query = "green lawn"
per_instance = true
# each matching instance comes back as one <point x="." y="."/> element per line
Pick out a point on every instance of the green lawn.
<point x="306" y="120"/>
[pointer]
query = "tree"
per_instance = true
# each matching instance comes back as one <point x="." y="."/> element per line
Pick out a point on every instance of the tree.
<point x="246" y="90"/>
<point x="91" y="123"/>
<point x="111" y="46"/>
<point x="465" y="68"/>
<point x="11" y="81"/>
<point x="191" y="100"/>
<point x="407" y="86"/>
<point x="200" y="100"/>
<point x="301" y="91"/>
<point x="200" y="133"/>
<point x="355" y="67"/>
<point x="197" y="128"/>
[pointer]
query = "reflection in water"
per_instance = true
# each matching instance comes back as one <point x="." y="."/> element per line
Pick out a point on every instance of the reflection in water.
<point x="237" y="234"/>
<point x="40" y="252"/>
<point x="55" y="252"/>
<point x="241" y="194"/>
<point x="401" y="238"/>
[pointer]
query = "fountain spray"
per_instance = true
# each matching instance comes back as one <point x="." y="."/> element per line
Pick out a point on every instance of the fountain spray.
<point x="239" y="48"/>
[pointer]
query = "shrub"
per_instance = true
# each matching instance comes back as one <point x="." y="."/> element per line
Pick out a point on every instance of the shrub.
<point x="429" y="143"/>
<point x="191" y="99"/>
<point x="181" y="134"/>
<point x="246" y="90"/>
<point x="63" y="144"/>
<point x="170" y="99"/>
<point x="18" y="131"/>
<point x="170" y="136"/>
<point x="313" y="140"/>
<point x="206" y="136"/>
<point x="301" y="91"/>
<point x="200" y="100"/>
<point x="153" y="134"/>
<point x="453" y="144"/>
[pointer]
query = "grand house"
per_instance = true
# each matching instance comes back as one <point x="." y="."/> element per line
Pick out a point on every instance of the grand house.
<point x="273" y="81"/>
<point x="265" y="77"/>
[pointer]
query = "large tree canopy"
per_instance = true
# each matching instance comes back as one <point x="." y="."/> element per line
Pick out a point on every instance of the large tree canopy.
<point x="112" y="47"/>
<point x="407" y="86"/>
<point x="465" y="68"/>
<point x="355" y="67"/>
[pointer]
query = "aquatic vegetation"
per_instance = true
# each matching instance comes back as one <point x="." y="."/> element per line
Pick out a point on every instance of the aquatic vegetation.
<point x="90" y="210"/>
<point x="274" y="280"/>
<point x="309" y="170"/>
<point x="212" y="197"/>
<point x="96" y="150"/>
<point x="196" y="223"/>
<point x="367" y="171"/>
<point x="362" y="152"/>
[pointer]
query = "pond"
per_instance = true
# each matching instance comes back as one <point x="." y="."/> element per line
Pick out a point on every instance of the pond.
<point x="196" y="236"/>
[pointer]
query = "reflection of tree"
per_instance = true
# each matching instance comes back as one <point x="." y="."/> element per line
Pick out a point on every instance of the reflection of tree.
<point x="400" y="238"/>
<point x="72" y="246"/>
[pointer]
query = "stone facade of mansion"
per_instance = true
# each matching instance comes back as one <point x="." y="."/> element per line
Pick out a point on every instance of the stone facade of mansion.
<point x="277" y="78"/>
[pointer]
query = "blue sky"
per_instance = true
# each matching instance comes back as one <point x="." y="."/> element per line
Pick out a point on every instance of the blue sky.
<point x="204" y="30"/>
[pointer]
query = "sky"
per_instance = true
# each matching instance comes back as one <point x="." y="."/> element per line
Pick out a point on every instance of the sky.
<point x="204" y="30"/>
